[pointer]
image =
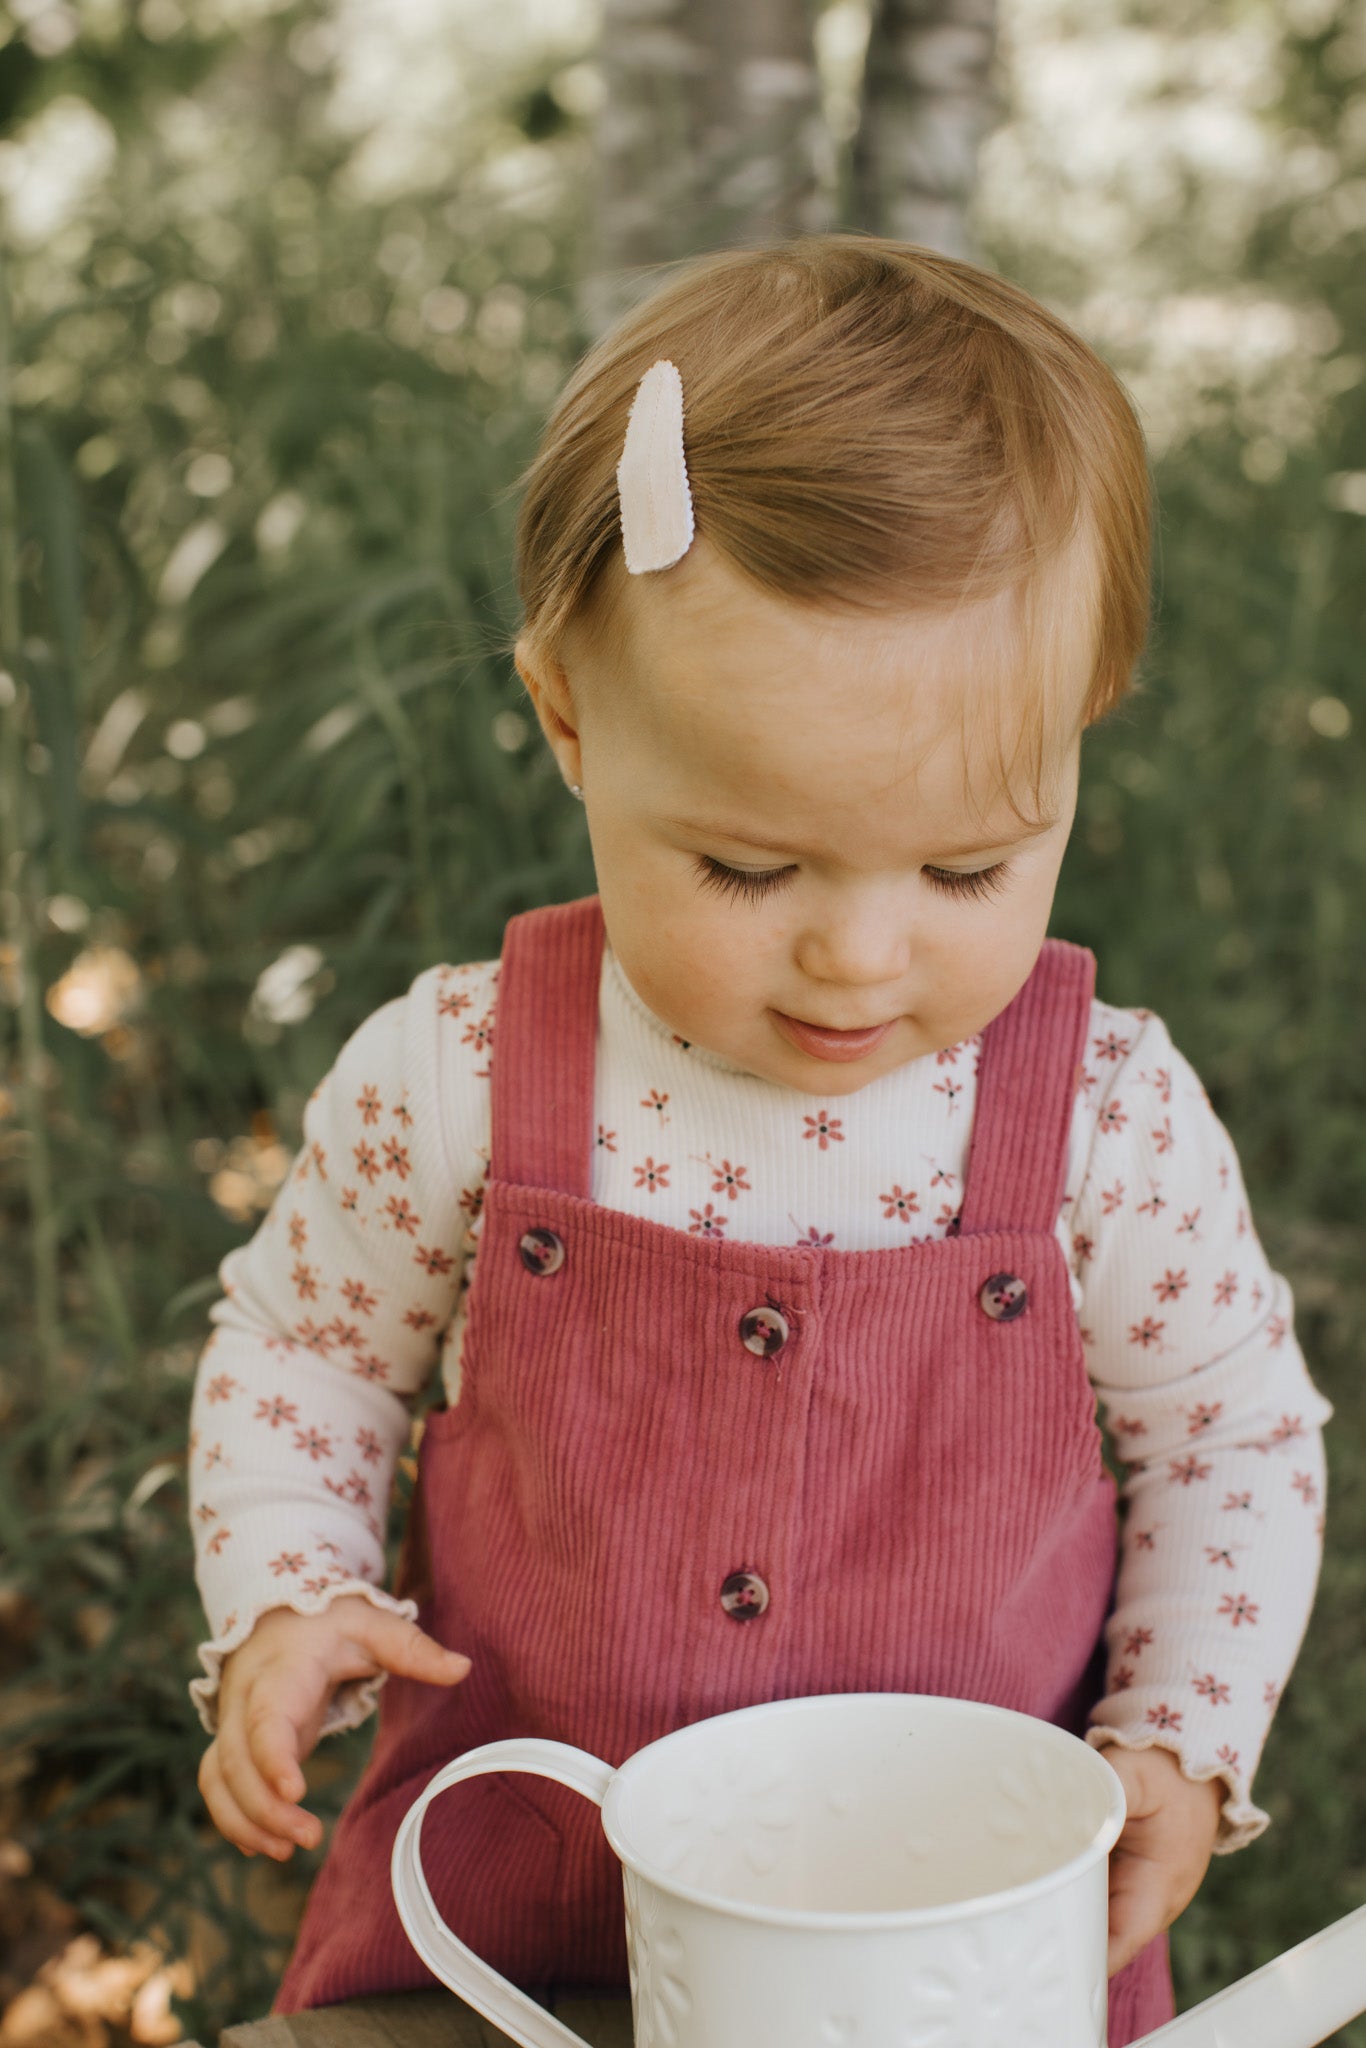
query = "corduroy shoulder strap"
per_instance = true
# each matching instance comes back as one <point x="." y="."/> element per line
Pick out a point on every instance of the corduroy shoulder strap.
<point x="1027" y="1079"/>
<point x="544" y="1045"/>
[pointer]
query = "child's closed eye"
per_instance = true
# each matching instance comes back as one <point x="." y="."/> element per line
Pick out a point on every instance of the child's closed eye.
<point x="971" y="881"/>
<point x="747" y="884"/>
<point x="750" y="884"/>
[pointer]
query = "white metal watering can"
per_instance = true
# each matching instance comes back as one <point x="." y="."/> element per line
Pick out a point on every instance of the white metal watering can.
<point x="866" y="1870"/>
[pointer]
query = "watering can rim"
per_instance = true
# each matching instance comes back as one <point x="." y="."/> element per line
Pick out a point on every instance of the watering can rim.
<point x="644" y="1760"/>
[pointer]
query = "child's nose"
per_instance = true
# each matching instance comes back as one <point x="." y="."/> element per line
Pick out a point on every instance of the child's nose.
<point x="866" y="948"/>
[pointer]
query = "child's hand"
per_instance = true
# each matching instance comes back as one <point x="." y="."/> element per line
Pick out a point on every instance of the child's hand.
<point x="1161" y="1856"/>
<point x="273" y="1697"/>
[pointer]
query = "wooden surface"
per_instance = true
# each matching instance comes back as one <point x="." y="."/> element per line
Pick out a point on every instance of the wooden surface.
<point x="427" y="2019"/>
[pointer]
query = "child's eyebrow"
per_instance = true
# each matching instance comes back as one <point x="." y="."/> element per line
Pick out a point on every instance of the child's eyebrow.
<point x="1020" y="838"/>
<point x="704" y="829"/>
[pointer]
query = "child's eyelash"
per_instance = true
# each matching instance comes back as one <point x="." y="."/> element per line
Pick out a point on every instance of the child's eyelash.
<point x="974" y="882"/>
<point x="714" y="874"/>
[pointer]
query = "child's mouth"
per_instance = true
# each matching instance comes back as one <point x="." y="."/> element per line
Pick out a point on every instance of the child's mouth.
<point x="830" y="1045"/>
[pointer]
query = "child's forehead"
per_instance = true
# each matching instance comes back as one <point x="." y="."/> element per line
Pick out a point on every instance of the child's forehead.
<point x="702" y="618"/>
<point x="736" y="689"/>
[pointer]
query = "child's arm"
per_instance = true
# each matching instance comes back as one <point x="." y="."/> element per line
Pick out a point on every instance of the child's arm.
<point x="331" y="1324"/>
<point x="1191" y="1348"/>
<point x="1221" y="1553"/>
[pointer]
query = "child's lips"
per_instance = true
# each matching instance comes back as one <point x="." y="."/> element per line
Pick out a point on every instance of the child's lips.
<point x="831" y="1045"/>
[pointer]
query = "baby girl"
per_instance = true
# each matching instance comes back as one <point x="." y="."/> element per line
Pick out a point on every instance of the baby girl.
<point x="817" y="1198"/>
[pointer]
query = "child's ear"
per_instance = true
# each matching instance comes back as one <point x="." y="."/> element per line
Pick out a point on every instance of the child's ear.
<point x="547" y="686"/>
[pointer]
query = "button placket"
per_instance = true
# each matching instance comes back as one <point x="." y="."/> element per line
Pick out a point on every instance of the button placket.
<point x="763" y="1330"/>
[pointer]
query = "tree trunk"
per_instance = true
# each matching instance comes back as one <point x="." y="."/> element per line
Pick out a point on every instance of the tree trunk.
<point x="929" y="98"/>
<point x="710" y="136"/>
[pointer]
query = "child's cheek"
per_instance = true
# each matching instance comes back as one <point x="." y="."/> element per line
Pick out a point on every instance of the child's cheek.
<point x="996" y="964"/>
<point x="699" y="969"/>
<point x="693" y="977"/>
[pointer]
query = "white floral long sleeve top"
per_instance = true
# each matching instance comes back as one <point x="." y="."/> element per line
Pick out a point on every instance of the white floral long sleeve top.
<point x="351" y="1293"/>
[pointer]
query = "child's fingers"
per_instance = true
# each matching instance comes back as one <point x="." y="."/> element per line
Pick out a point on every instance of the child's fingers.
<point x="227" y="1815"/>
<point x="402" y="1647"/>
<point x="273" y="1747"/>
<point x="1138" y="1906"/>
<point x="254" y="1796"/>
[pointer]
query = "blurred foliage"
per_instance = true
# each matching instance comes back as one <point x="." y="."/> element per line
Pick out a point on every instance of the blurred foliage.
<point x="277" y="761"/>
<point x="263" y="457"/>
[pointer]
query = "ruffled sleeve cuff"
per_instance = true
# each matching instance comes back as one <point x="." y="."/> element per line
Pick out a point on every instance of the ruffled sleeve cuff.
<point x="352" y="1701"/>
<point x="1240" y="1822"/>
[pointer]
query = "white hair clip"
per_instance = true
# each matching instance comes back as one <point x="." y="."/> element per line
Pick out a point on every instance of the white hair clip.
<point x="652" y="477"/>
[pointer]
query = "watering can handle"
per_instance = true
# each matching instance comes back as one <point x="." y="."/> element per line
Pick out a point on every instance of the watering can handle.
<point x="447" y="1958"/>
<point x="1297" y="2000"/>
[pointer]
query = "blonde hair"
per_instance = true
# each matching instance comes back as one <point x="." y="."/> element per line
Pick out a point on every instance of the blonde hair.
<point x="870" y="427"/>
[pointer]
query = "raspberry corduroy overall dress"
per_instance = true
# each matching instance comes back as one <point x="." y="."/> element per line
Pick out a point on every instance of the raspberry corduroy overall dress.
<point x="652" y="1504"/>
